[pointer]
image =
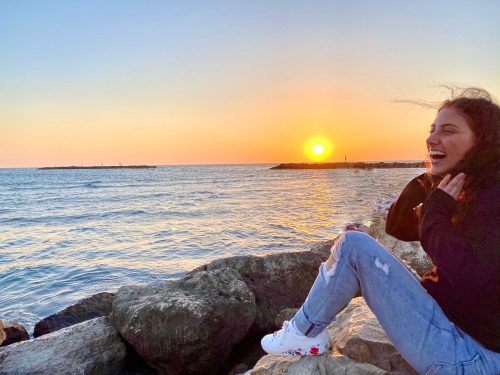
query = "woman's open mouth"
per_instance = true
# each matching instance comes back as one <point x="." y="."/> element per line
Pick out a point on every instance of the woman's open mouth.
<point x="436" y="156"/>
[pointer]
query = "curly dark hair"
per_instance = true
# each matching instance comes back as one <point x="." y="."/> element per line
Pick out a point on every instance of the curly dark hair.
<point x="481" y="164"/>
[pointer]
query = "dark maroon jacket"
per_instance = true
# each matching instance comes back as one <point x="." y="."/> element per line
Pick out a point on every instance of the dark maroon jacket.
<point x="465" y="279"/>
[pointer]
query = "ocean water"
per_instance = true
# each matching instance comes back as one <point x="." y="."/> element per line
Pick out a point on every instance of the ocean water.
<point x="67" y="234"/>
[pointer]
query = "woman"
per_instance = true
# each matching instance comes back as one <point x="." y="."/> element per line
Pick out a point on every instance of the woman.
<point x="448" y="322"/>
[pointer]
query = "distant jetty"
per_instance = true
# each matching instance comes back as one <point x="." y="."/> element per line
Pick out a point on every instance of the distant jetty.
<point x="345" y="165"/>
<point x="104" y="167"/>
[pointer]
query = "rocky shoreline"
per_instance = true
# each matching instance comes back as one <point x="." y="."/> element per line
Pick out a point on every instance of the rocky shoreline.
<point x="102" y="167"/>
<point x="346" y="165"/>
<point x="208" y="322"/>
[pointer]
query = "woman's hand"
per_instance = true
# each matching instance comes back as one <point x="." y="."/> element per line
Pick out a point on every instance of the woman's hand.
<point x="452" y="186"/>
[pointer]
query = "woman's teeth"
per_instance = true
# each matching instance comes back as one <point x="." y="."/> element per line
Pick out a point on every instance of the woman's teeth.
<point x="436" y="155"/>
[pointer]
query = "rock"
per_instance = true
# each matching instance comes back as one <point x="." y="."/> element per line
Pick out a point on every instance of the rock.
<point x="91" y="347"/>
<point x="285" y="314"/>
<point x="11" y="333"/>
<point x="411" y="253"/>
<point x="2" y="333"/>
<point x="360" y="227"/>
<point x="239" y="368"/>
<point x="341" y="364"/>
<point x="322" y="249"/>
<point x="357" y="334"/>
<point x="359" y="346"/>
<point x="187" y="326"/>
<point x="89" y="308"/>
<point x="278" y="281"/>
<point x="331" y="364"/>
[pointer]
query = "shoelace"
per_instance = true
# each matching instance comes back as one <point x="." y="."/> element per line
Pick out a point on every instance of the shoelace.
<point x="281" y="333"/>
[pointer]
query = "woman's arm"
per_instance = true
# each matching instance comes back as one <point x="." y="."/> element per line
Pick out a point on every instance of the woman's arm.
<point x="402" y="220"/>
<point x="474" y="260"/>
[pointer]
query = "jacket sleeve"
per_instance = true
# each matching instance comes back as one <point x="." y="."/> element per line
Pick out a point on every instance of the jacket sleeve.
<point x="402" y="221"/>
<point x="477" y="256"/>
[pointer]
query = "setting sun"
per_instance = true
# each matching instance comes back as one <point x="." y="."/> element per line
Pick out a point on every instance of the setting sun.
<point x="318" y="148"/>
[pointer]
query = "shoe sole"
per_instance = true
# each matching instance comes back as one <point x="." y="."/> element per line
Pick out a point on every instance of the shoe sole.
<point x="312" y="352"/>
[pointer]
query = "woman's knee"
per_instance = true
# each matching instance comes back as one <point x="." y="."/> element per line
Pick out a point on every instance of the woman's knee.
<point x="356" y="236"/>
<point x="355" y="244"/>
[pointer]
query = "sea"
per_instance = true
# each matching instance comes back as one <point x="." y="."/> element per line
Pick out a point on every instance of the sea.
<point x="68" y="234"/>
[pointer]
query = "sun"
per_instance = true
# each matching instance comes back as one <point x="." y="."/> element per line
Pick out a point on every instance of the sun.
<point x="318" y="148"/>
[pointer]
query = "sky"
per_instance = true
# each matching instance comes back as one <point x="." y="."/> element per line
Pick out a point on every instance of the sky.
<point x="222" y="82"/>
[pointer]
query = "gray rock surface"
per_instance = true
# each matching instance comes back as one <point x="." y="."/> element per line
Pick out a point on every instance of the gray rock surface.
<point x="187" y="326"/>
<point x="357" y="334"/>
<point x="359" y="346"/>
<point x="278" y="281"/>
<point x="285" y="314"/>
<point x="2" y="333"/>
<point x="326" y="364"/>
<point x="322" y="249"/>
<point x="89" y="308"/>
<point x="91" y="347"/>
<point x="11" y="333"/>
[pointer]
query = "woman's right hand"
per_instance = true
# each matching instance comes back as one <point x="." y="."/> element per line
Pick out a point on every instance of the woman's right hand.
<point x="453" y="186"/>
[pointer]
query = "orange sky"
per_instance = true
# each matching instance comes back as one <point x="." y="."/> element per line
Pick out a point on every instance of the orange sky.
<point x="255" y="130"/>
<point x="239" y="83"/>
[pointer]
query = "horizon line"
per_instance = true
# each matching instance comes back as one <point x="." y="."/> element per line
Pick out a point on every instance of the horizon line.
<point x="222" y="164"/>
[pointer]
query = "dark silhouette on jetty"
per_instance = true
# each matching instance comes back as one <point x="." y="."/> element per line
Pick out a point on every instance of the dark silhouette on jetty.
<point x="344" y="165"/>
<point x="104" y="167"/>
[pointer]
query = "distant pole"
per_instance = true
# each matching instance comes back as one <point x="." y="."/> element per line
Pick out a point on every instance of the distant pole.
<point x="345" y="158"/>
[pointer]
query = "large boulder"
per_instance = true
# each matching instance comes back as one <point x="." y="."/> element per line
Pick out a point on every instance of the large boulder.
<point x="357" y="334"/>
<point x="89" y="308"/>
<point x="332" y="364"/>
<point x="187" y="326"/>
<point x="278" y="281"/>
<point x="359" y="346"/>
<point x="91" y="347"/>
<point x="11" y="333"/>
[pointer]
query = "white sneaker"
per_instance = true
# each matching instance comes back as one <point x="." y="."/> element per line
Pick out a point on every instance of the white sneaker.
<point x="286" y="342"/>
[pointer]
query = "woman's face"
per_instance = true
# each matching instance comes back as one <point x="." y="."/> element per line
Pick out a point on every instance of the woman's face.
<point x="449" y="140"/>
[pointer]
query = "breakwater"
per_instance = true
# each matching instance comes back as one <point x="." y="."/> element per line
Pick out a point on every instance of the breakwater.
<point x="356" y="165"/>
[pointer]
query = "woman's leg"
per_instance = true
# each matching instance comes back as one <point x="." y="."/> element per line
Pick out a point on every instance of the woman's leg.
<point x="412" y="318"/>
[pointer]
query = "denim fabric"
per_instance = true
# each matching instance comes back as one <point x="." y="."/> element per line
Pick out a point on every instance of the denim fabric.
<point x="412" y="319"/>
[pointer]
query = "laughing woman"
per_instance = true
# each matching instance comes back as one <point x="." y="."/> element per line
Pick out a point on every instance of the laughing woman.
<point x="447" y="322"/>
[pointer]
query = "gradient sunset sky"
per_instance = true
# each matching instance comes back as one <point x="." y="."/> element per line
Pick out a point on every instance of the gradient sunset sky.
<point x="203" y="82"/>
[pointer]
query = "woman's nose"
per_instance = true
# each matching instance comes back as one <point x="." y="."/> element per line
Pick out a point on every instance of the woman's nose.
<point x="432" y="139"/>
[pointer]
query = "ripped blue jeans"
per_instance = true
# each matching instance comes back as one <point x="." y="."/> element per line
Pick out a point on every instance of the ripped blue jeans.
<point x="412" y="319"/>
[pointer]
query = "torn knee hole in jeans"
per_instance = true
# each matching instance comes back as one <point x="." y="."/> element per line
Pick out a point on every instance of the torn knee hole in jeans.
<point x="383" y="266"/>
<point x="336" y="251"/>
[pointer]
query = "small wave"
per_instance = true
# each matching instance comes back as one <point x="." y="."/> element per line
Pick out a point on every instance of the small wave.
<point x="82" y="229"/>
<point x="58" y="219"/>
<point x="93" y="184"/>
